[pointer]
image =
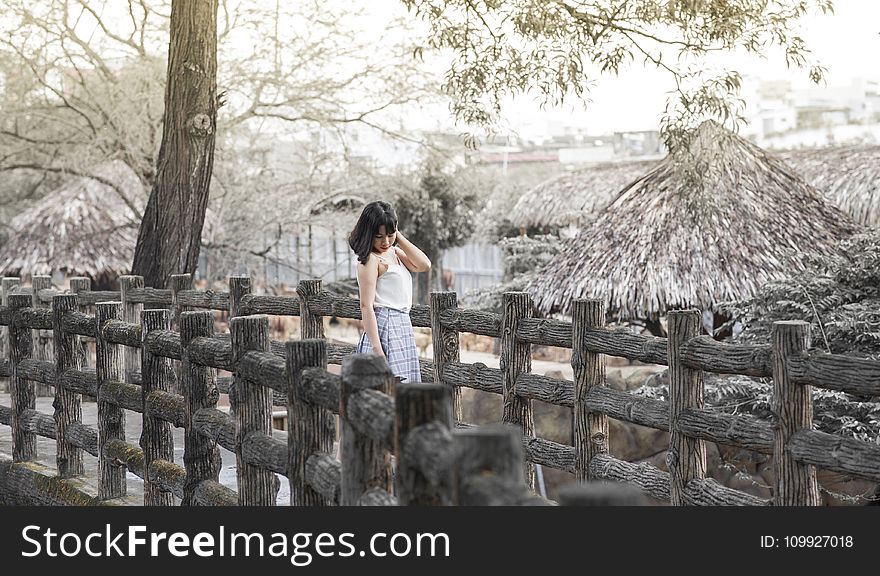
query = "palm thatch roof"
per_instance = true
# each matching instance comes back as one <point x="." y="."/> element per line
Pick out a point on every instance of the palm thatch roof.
<point x="339" y="211"/>
<point x="82" y="227"/>
<point x="670" y="240"/>
<point x="576" y="196"/>
<point x="848" y="176"/>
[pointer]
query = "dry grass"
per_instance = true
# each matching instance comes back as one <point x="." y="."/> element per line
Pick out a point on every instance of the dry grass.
<point x="574" y="197"/>
<point x="81" y="228"/>
<point x="848" y="176"/>
<point x="665" y="243"/>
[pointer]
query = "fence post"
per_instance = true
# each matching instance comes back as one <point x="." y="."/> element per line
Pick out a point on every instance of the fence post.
<point x="792" y="406"/>
<point x="239" y="287"/>
<point x="178" y="283"/>
<point x="201" y="457"/>
<point x="363" y="459"/>
<point x="111" y="418"/>
<point x="131" y="312"/>
<point x="590" y="428"/>
<point x="516" y="359"/>
<point x="256" y="486"/>
<point x="68" y="404"/>
<point x="24" y="443"/>
<point x="487" y="468"/>
<point x="82" y="285"/>
<point x="686" y="458"/>
<point x="42" y="347"/>
<point x="311" y="325"/>
<point x="7" y="286"/>
<point x="310" y="429"/>
<point x="156" y="439"/>
<point x="423" y="444"/>
<point x="444" y="342"/>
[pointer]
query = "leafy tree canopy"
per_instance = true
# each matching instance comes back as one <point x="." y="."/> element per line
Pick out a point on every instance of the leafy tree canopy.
<point x="438" y="213"/>
<point x="838" y="296"/>
<point x="559" y="47"/>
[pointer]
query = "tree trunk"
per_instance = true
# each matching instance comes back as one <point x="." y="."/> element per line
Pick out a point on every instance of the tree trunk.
<point x="423" y="287"/>
<point x="654" y="326"/>
<point x="170" y="233"/>
<point x="427" y="282"/>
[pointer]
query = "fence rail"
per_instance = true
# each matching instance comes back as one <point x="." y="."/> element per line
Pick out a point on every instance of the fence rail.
<point x="419" y="424"/>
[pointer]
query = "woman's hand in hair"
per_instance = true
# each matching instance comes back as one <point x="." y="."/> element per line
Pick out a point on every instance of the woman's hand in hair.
<point x="413" y="258"/>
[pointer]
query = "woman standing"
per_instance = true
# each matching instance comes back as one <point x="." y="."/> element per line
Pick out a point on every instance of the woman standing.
<point x="385" y="260"/>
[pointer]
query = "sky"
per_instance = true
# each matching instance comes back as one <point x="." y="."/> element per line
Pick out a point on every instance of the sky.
<point x="846" y="43"/>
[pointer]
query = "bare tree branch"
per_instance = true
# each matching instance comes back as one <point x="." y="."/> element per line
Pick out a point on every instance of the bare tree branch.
<point x="66" y="170"/>
<point x="139" y="48"/>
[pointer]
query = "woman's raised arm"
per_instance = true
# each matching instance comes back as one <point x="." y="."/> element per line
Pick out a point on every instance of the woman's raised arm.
<point x="411" y="256"/>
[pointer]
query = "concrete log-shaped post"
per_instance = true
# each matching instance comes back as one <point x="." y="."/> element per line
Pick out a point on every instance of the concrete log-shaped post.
<point x="488" y="466"/>
<point x="590" y="429"/>
<point x="792" y="406"/>
<point x="178" y="283"/>
<point x="156" y="439"/>
<point x="201" y="456"/>
<point x="311" y="325"/>
<point x="8" y="285"/>
<point x="43" y="339"/>
<point x="81" y="285"/>
<point x="131" y="312"/>
<point x="364" y="462"/>
<point x="310" y="429"/>
<point x="444" y="342"/>
<point x="516" y="359"/>
<point x="686" y="458"/>
<point x="111" y="418"/>
<point x="423" y="444"/>
<point x="256" y="486"/>
<point x="24" y="442"/>
<point x="239" y="287"/>
<point x="68" y="404"/>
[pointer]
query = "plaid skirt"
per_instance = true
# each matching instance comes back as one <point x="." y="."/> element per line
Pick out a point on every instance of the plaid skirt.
<point x="398" y="343"/>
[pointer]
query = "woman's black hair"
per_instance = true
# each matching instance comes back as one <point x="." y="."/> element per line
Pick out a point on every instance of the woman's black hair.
<point x="375" y="214"/>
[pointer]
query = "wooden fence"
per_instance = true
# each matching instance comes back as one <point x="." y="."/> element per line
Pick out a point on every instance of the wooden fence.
<point x="436" y="464"/>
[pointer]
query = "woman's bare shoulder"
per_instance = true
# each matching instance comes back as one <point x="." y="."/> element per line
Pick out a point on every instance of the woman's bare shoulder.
<point x="373" y="258"/>
<point x="372" y="263"/>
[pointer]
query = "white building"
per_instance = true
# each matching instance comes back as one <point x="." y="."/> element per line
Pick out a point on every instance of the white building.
<point x="776" y="110"/>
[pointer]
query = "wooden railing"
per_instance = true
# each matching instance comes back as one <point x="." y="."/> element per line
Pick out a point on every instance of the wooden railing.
<point x="267" y="372"/>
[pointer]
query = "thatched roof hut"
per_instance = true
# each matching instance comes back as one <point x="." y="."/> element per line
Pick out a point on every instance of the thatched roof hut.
<point x="81" y="228"/>
<point x="572" y="198"/>
<point x="339" y="211"/>
<point x="849" y="176"/>
<point x="666" y="243"/>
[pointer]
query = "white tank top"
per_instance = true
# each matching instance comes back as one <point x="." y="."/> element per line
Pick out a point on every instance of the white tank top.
<point x="394" y="288"/>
